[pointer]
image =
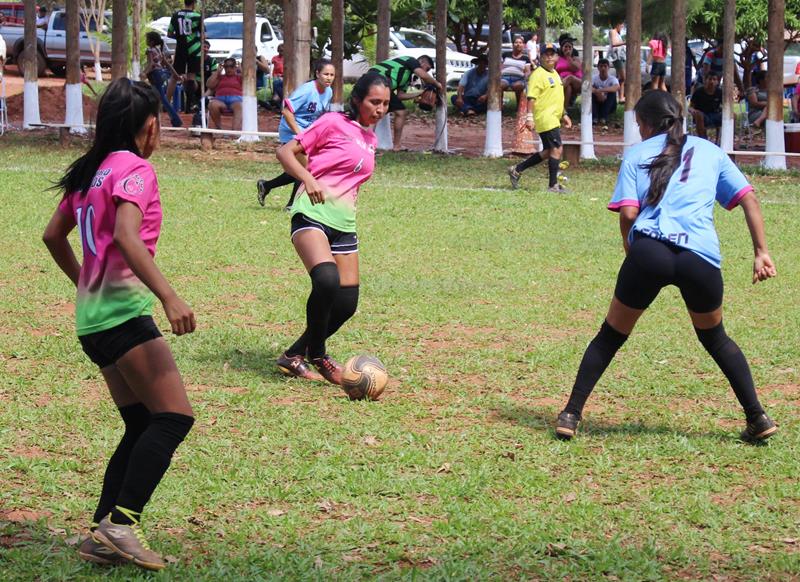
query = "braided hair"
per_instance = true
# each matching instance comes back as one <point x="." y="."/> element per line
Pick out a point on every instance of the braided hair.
<point x="661" y="112"/>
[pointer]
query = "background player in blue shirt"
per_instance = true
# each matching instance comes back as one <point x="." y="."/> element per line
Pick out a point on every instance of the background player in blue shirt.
<point x="665" y="195"/>
<point x="303" y="107"/>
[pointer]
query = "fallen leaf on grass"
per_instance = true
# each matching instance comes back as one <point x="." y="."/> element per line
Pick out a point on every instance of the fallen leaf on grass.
<point x="509" y="455"/>
<point x="73" y="540"/>
<point x="196" y="521"/>
<point x="790" y="541"/>
<point x="445" y="468"/>
<point x="370" y="441"/>
<point x="170" y="559"/>
<point x="318" y="563"/>
<point x="326" y="506"/>
<point x="569" y="497"/>
<point x="276" y="512"/>
<point x="354" y="557"/>
<point x="19" y="515"/>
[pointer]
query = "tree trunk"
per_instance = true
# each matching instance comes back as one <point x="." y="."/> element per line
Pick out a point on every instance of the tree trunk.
<point x="587" y="138"/>
<point x="542" y="20"/>
<point x="440" y="143"/>
<point x="249" y="104"/>
<point x="72" y="90"/>
<point x="384" y="22"/>
<point x="678" y="80"/>
<point x="136" y="40"/>
<point x="289" y="33"/>
<point x="383" y="131"/>
<point x="728" y="39"/>
<point x="493" y="145"/>
<point x="119" y="39"/>
<point x="633" y="72"/>
<point x="775" y="47"/>
<point x="297" y="67"/>
<point x="31" y="72"/>
<point x="337" y="53"/>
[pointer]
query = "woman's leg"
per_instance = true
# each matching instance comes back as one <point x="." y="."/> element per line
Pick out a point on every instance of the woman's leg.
<point x="346" y="303"/>
<point x="237" y="115"/>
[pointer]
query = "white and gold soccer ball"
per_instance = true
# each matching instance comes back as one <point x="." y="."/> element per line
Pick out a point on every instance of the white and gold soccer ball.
<point x="364" y="376"/>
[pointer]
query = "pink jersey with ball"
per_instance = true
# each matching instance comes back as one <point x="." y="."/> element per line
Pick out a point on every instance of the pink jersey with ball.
<point x="109" y="293"/>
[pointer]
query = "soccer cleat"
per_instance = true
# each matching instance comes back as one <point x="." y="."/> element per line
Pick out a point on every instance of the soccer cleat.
<point x="262" y="191"/>
<point x="129" y="542"/>
<point x="296" y="366"/>
<point x="558" y="189"/>
<point x="93" y="551"/>
<point x="567" y="425"/>
<point x="759" y="429"/>
<point x="514" y="176"/>
<point x="330" y="369"/>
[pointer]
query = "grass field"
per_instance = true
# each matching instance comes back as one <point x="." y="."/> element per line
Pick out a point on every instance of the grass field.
<point x="480" y="300"/>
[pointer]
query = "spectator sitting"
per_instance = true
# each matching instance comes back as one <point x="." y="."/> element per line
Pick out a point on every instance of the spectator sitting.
<point x="473" y="88"/>
<point x="604" y="93"/>
<point x="795" y="113"/>
<point x="757" y="99"/>
<point x="515" y="69"/>
<point x="262" y="72"/>
<point x="277" y="78"/>
<point x="227" y="89"/>
<point x="706" y="104"/>
<point x="569" y="67"/>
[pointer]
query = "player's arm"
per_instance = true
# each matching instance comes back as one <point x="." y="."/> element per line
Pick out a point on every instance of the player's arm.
<point x="55" y="239"/>
<point x="291" y="120"/>
<point x="287" y="155"/>
<point x="763" y="267"/>
<point x="427" y="77"/>
<point x="139" y="259"/>
<point x="627" y="216"/>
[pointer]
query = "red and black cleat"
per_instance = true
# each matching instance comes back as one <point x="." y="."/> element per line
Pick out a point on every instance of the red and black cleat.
<point x="296" y="366"/>
<point x="330" y="369"/>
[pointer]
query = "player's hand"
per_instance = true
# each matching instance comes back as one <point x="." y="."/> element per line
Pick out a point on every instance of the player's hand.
<point x="567" y="122"/>
<point x="763" y="268"/>
<point x="314" y="191"/>
<point x="180" y="315"/>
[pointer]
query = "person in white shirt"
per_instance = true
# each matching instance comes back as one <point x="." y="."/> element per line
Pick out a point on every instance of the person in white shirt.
<point x="604" y="93"/>
<point x="533" y="50"/>
<point x="42" y="19"/>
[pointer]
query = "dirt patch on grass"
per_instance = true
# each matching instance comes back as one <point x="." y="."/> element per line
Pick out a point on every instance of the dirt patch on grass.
<point x="29" y="452"/>
<point x="22" y="515"/>
<point x="787" y="392"/>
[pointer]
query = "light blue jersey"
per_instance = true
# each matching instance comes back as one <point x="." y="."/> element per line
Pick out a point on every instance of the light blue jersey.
<point x="685" y="215"/>
<point x="307" y="104"/>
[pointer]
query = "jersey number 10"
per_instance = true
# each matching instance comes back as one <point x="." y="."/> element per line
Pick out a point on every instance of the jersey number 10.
<point x="86" y="228"/>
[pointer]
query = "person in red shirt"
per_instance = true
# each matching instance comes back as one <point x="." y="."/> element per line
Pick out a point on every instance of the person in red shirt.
<point x="227" y="89"/>
<point x="277" y="78"/>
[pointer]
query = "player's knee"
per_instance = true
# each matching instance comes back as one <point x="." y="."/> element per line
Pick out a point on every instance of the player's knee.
<point x="325" y="278"/>
<point x="713" y="339"/>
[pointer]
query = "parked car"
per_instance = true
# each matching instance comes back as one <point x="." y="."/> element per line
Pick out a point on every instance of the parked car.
<point x="791" y="64"/>
<point x="224" y="33"/>
<point x="414" y="43"/>
<point x="52" y="44"/>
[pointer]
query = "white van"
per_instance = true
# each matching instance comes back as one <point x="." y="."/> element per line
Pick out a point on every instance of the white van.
<point x="224" y="33"/>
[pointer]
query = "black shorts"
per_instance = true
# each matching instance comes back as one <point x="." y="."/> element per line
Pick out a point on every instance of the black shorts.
<point x="653" y="264"/>
<point x="395" y="103"/>
<point x="106" y="347"/>
<point x="551" y="139"/>
<point x="342" y="243"/>
<point x="186" y="64"/>
<point x="658" y="70"/>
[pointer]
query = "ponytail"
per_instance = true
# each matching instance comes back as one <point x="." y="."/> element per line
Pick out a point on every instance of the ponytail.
<point x="122" y="112"/>
<point x="661" y="112"/>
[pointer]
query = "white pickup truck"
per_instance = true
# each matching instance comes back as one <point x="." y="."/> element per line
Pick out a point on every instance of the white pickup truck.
<point x="52" y="44"/>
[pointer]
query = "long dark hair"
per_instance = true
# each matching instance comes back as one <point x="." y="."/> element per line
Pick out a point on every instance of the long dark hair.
<point x="661" y="112"/>
<point x="123" y="110"/>
<point x="361" y="90"/>
<point x="155" y="39"/>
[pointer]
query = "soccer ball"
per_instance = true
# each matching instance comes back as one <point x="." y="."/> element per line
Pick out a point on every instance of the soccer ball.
<point x="364" y="376"/>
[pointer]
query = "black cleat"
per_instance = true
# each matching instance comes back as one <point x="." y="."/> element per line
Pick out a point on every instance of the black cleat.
<point x="759" y="429"/>
<point x="567" y="425"/>
<point x="262" y="191"/>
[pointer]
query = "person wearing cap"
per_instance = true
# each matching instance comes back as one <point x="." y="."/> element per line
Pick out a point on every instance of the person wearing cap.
<point x="570" y="68"/>
<point x="546" y="109"/>
<point x="473" y="89"/>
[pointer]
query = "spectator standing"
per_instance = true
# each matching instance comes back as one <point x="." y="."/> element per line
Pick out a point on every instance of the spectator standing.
<point x="533" y="50"/>
<point x="42" y="18"/>
<point x="705" y="105"/>
<point x="604" y="93"/>
<point x="473" y="88"/>
<point x="795" y="114"/>
<point x="277" y="77"/>
<point x="184" y="27"/>
<point x="617" y="53"/>
<point x="658" y="58"/>
<point x="158" y="72"/>
<point x="569" y="67"/>
<point x="400" y="71"/>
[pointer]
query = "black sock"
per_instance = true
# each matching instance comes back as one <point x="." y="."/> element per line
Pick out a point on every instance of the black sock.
<point x="552" y="166"/>
<point x="278" y="181"/>
<point x="294" y="192"/>
<point x="595" y="360"/>
<point x="149" y="460"/>
<point x="733" y="364"/>
<point x="344" y="306"/>
<point x="136" y="418"/>
<point x="529" y="162"/>
<point x="324" y="290"/>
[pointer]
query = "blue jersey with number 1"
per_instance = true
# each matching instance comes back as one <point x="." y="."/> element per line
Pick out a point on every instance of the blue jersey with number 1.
<point x="685" y="214"/>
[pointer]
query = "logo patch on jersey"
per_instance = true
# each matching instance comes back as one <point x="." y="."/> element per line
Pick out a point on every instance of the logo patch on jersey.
<point x="551" y="81"/>
<point x="133" y="185"/>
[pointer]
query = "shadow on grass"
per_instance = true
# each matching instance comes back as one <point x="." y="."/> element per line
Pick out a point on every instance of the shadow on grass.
<point x="543" y="419"/>
<point x="261" y="362"/>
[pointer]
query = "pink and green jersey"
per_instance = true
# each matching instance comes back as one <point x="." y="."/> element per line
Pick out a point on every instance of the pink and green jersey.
<point x="341" y="156"/>
<point x="109" y="294"/>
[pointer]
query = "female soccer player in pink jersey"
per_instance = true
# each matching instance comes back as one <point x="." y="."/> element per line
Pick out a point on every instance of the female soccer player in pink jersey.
<point x="341" y="157"/>
<point x="111" y="195"/>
